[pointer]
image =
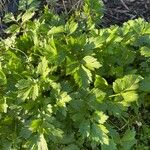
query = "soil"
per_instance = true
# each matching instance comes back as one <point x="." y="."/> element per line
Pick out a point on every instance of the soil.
<point x="119" y="11"/>
<point x="115" y="11"/>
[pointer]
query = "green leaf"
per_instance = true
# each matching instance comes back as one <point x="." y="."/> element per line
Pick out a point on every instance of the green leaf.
<point x="25" y="132"/>
<point x="100" y="95"/>
<point x="3" y="105"/>
<point x="143" y="40"/>
<point x="145" y="51"/>
<point x="71" y="27"/>
<point x="71" y="147"/>
<point x="56" y="30"/>
<point x="97" y="42"/>
<point x="126" y="88"/>
<point x="70" y="77"/>
<point x="3" y="79"/>
<point x="113" y="30"/>
<point x="27" y="16"/>
<point x="127" y="83"/>
<point x="129" y="97"/>
<point x="99" y="117"/>
<point x="27" y="89"/>
<point x="128" y="139"/>
<point x="83" y="77"/>
<point x="72" y="67"/>
<point x="68" y="138"/>
<point x="37" y="142"/>
<point x="41" y="143"/>
<point x="93" y="9"/>
<point x="100" y="82"/>
<point x="13" y="29"/>
<point x="91" y="62"/>
<point x="22" y="84"/>
<point x="63" y="99"/>
<point x="35" y="124"/>
<point x="116" y="108"/>
<point x="9" y="17"/>
<point x="28" y="5"/>
<point x="99" y="134"/>
<point x="145" y="84"/>
<point x="43" y="68"/>
<point x="111" y="146"/>
<point x="49" y="109"/>
<point x="24" y="94"/>
<point x="50" y="48"/>
<point x="6" y="144"/>
<point x="85" y="128"/>
<point x="35" y="91"/>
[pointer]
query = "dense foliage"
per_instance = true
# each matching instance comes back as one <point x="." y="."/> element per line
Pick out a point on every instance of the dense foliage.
<point x="67" y="85"/>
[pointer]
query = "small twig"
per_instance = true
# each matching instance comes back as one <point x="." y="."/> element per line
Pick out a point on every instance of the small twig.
<point x="121" y="11"/>
<point x="123" y="3"/>
<point x="20" y="52"/>
<point x="64" y="5"/>
<point x="146" y="5"/>
<point x="76" y="4"/>
<point x="111" y="16"/>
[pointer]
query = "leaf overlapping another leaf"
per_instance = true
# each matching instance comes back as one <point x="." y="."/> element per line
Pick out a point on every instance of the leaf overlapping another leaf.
<point x="68" y="84"/>
<point x="27" y="89"/>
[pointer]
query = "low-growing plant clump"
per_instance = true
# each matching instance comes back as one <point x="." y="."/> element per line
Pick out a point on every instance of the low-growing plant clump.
<point x="65" y="84"/>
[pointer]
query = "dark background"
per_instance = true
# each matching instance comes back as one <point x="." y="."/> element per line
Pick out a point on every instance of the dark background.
<point x="115" y="11"/>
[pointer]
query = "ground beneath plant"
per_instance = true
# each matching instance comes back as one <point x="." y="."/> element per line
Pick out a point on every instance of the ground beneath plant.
<point x="115" y="11"/>
<point x="119" y="11"/>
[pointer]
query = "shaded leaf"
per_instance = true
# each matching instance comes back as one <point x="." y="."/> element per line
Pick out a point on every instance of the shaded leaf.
<point x="85" y="128"/>
<point x="145" y="84"/>
<point x="99" y="134"/>
<point x="71" y="147"/>
<point x="128" y="139"/>
<point x="111" y="146"/>
<point x="3" y="79"/>
<point x="83" y="77"/>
